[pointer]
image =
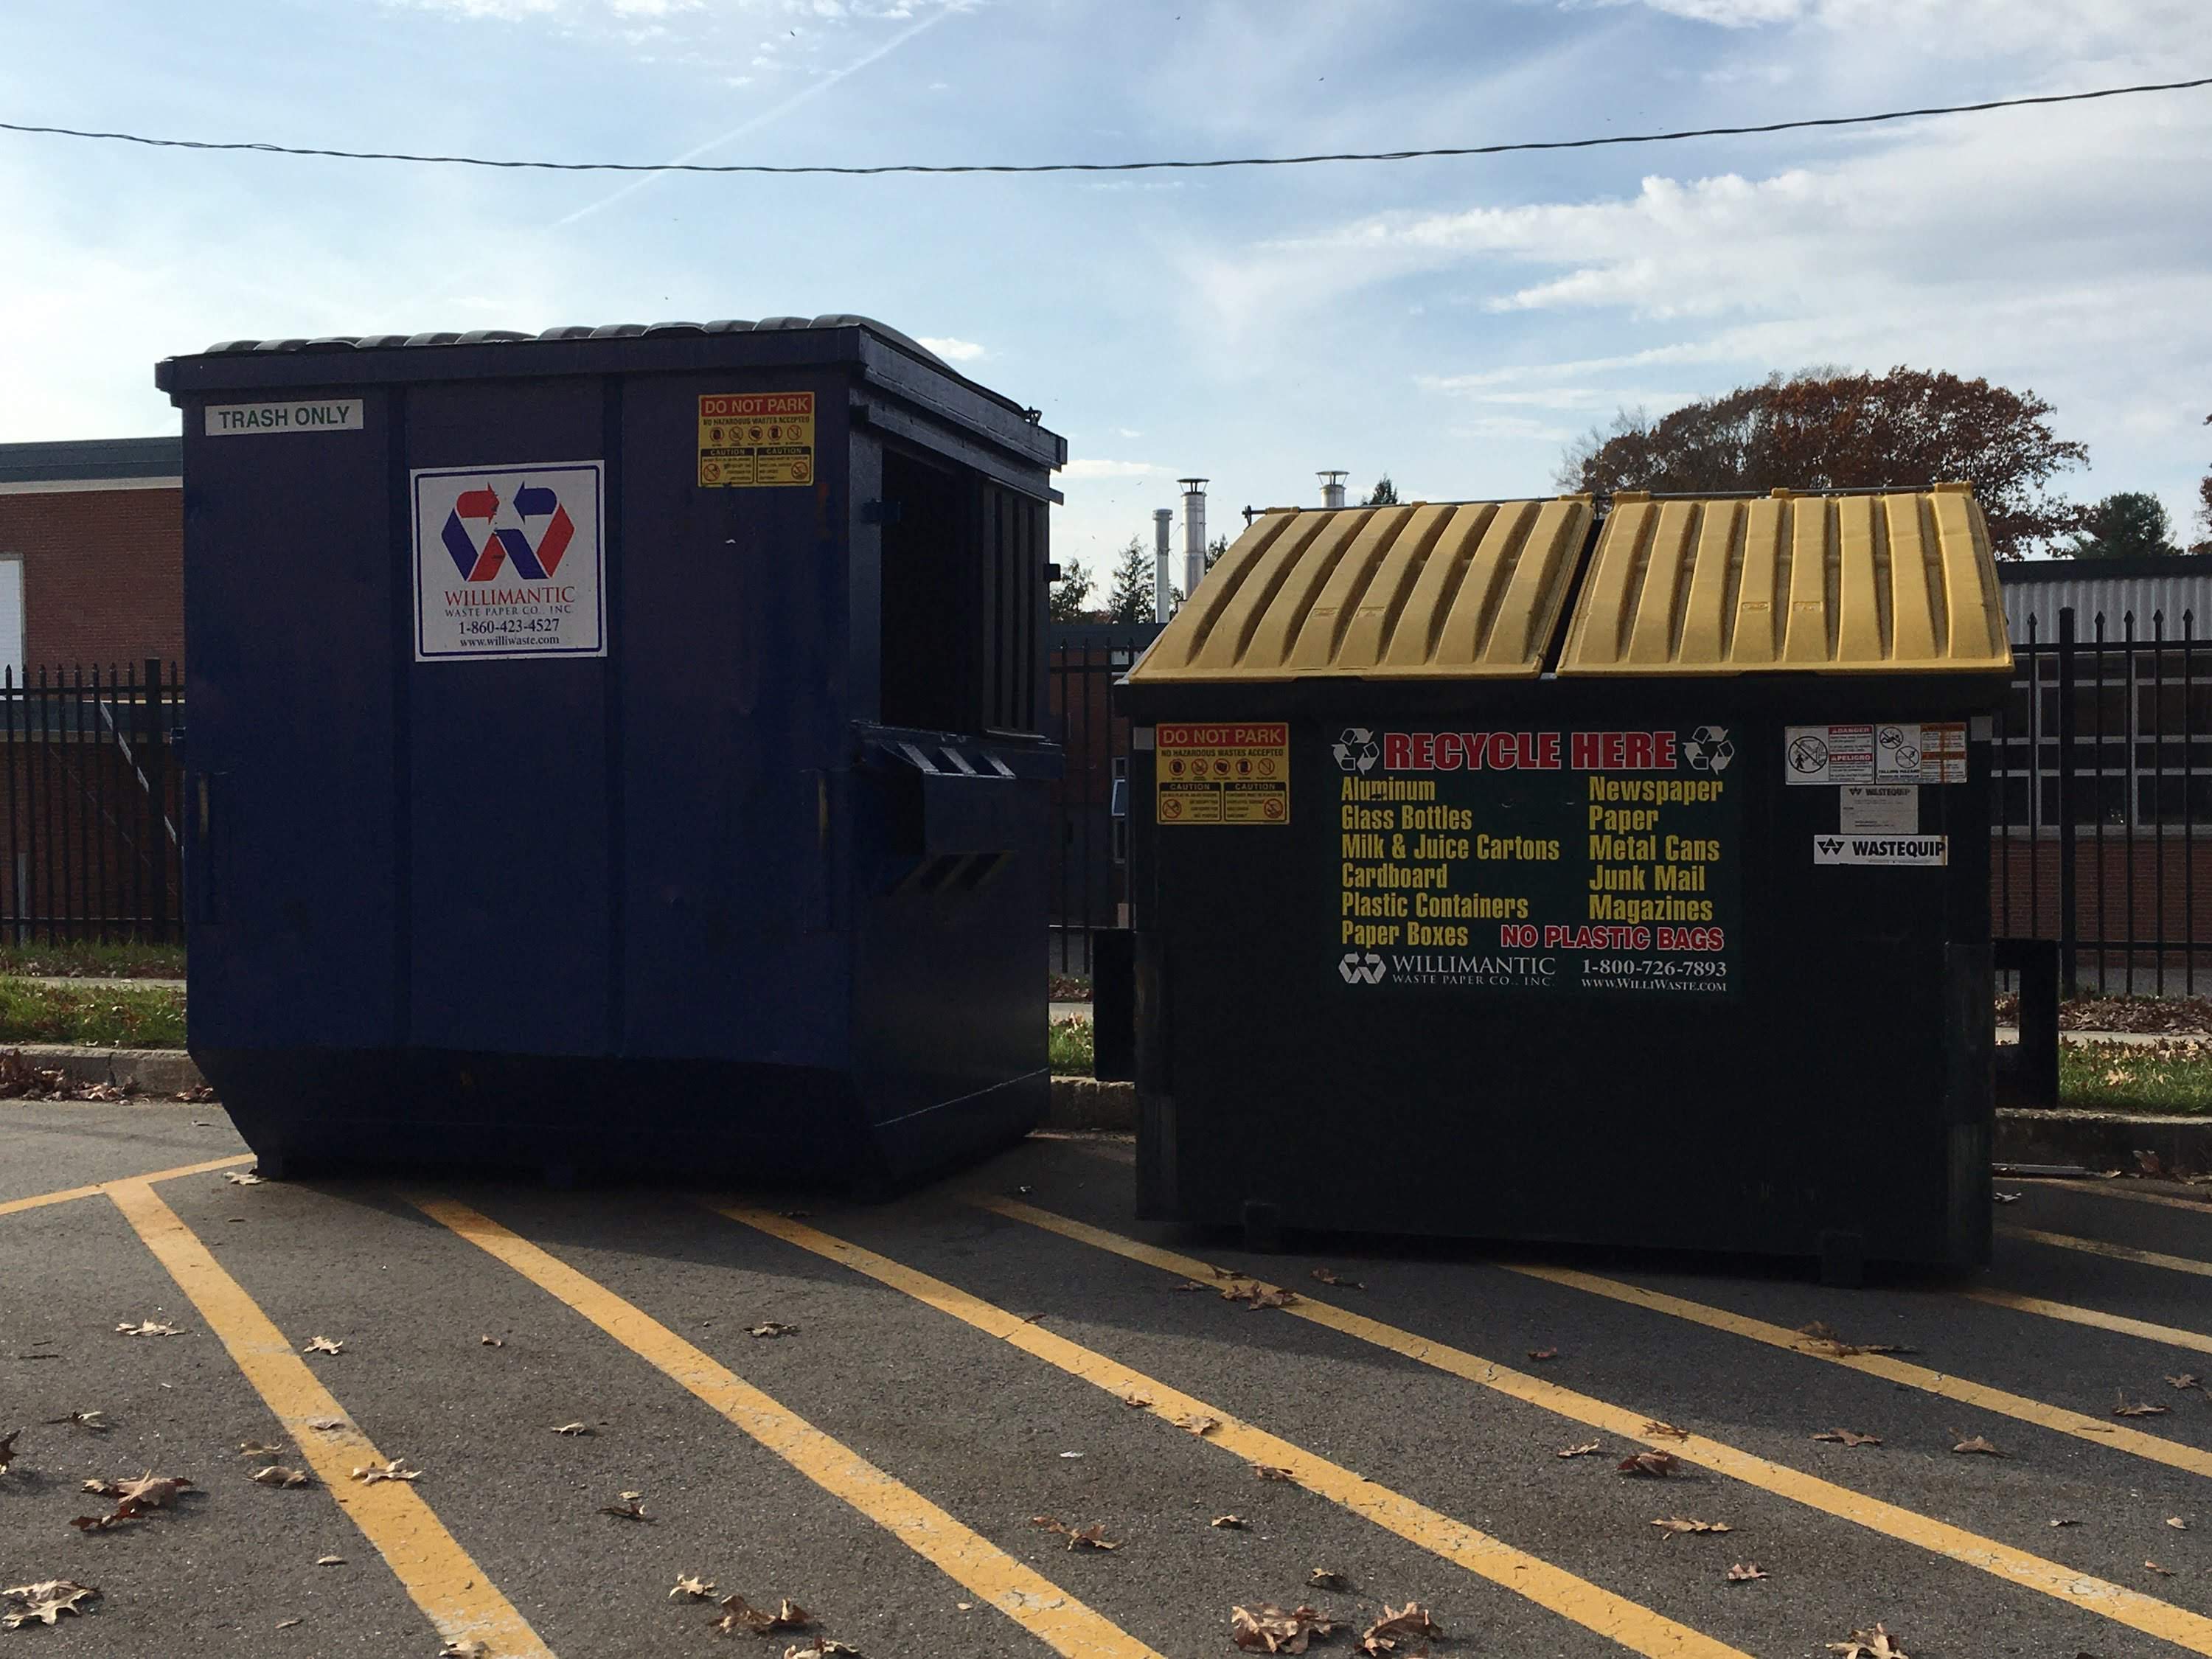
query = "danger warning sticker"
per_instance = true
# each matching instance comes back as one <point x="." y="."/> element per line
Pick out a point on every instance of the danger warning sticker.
<point x="1892" y="752"/>
<point x="1236" y="773"/>
<point x="753" y="440"/>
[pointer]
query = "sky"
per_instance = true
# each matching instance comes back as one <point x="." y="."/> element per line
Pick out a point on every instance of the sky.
<point x="1454" y="323"/>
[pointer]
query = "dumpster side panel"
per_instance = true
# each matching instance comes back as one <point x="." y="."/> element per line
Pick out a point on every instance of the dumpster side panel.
<point x="731" y="654"/>
<point x="289" y="830"/>
<point x="510" y="763"/>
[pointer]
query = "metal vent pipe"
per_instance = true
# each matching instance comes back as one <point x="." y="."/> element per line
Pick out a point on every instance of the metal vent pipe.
<point x="1193" y="534"/>
<point x="1163" y="560"/>
<point x="1332" y="488"/>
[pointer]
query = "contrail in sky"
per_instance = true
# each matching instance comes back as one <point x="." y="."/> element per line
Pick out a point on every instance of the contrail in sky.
<point x="764" y="117"/>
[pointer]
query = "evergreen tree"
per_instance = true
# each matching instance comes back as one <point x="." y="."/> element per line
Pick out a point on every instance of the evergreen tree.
<point x="1070" y="594"/>
<point x="2132" y="525"/>
<point x="1385" y="494"/>
<point x="1130" y="598"/>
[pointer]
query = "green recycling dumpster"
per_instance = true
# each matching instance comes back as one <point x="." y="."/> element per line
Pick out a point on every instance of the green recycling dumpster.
<point x="1526" y="870"/>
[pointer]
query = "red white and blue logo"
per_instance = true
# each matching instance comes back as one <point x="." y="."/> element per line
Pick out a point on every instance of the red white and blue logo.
<point x="486" y="535"/>
<point x="509" y="561"/>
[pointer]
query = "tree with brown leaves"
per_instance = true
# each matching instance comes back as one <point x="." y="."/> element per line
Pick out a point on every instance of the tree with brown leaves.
<point x="1826" y="429"/>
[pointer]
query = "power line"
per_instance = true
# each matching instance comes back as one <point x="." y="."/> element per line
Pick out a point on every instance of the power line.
<point x="1515" y="148"/>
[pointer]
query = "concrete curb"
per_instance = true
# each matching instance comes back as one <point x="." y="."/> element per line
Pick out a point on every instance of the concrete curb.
<point x="2102" y="1140"/>
<point x="1083" y="1103"/>
<point x="152" y="1071"/>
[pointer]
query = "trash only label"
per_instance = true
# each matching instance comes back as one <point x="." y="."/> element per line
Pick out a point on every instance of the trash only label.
<point x="508" y="562"/>
<point x="1932" y="850"/>
<point x="1888" y="751"/>
<point x="1547" y="862"/>
<point x="755" y="439"/>
<point x="1238" y="773"/>
<point x="317" y="414"/>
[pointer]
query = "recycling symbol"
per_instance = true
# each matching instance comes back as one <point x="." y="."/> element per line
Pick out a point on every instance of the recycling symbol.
<point x="1356" y="750"/>
<point x="1709" y="750"/>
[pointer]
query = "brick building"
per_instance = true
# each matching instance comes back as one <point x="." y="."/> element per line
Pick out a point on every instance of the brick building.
<point x="91" y="554"/>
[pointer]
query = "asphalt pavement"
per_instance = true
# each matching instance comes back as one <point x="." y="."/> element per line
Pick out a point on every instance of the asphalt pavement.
<point x="1011" y="1345"/>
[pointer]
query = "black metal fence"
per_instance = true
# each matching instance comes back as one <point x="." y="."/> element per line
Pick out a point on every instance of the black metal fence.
<point x="1091" y="847"/>
<point x="90" y="804"/>
<point x="2102" y="838"/>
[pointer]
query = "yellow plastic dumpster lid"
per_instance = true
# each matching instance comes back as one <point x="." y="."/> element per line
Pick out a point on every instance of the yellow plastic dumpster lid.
<point x="1891" y="583"/>
<point x="1456" y="590"/>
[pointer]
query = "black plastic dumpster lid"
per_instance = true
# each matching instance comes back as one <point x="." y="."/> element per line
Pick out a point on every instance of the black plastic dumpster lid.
<point x="1453" y="590"/>
<point x="1896" y="582"/>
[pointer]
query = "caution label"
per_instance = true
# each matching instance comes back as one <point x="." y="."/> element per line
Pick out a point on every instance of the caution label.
<point x="755" y="439"/>
<point x="1235" y="773"/>
<point x="1891" y="752"/>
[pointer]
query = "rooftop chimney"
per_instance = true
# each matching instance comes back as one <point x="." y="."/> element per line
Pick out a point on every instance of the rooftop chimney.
<point x="1163" y="559"/>
<point x="1332" y="488"/>
<point x="1193" y="534"/>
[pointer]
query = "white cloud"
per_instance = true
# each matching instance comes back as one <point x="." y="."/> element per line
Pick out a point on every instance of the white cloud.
<point x="1512" y="426"/>
<point x="953" y="350"/>
<point x="1126" y="432"/>
<point x="1112" y="469"/>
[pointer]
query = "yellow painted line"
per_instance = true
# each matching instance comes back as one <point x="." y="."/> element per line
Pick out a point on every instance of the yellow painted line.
<point x="2172" y="1335"/>
<point x="2189" y="1630"/>
<point x="2115" y="1189"/>
<point x="449" y="1587"/>
<point x="1030" y="1600"/>
<point x="67" y="1194"/>
<point x="2180" y="1264"/>
<point x="1634" y="1626"/>
<point x="2098" y="1432"/>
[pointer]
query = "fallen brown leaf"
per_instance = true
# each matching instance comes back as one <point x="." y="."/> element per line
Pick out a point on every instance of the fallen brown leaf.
<point x="697" y="1588"/>
<point x="241" y="1178"/>
<point x="1092" y="1537"/>
<point x="287" y="1624"/>
<point x="148" y="1491"/>
<point x="1269" y="1471"/>
<point x="100" y="1522"/>
<point x="2004" y="1198"/>
<point x="1582" y="1450"/>
<point x="1408" y="1623"/>
<point x="2187" y="1380"/>
<point x="630" y="1509"/>
<point x="96" y="1421"/>
<point x="572" y="1428"/>
<point x="1665" y="1430"/>
<point x="1191" y="1284"/>
<point x="327" y="1425"/>
<point x="2123" y="1408"/>
<point x="737" y="1614"/>
<point x="492" y="1341"/>
<point x="330" y="1560"/>
<point x="1257" y="1296"/>
<point x="1198" y="1423"/>
<point x="323" y="1344"/>
<point x="1976" y="1444"/>
<point x="1543" y="1353"/>
<point x="1231" y="1523"/>
<point x="1323" y="1578"/>
<point x="8" y="1450"/>
<point x="149" y="1327"/>
<point x="44" y="1602"/>
<point x="2163" y="1572"/>
<point x="1682" y="1523"/>
<point x="255" y="1449"/>
<point x="1327" y="1277"/>
<point x="277" y="1475"/>
<point x="1649" y="1462"/>
<point x="464" y="1647"/>
<point x="1849" y="1437"/>
<point x="1876" y="1644"/>
<point x="392" y="1468"/>
<point x="2177" y="1524"/>
<point x="1743" y="1572"/>
<point x="1136" y="1403"/>
<point x="2066" y="1520"/>
<point x="1268" y="1629"/>
<point x="771" y="1328"/>
<point x="819" y="1648"/>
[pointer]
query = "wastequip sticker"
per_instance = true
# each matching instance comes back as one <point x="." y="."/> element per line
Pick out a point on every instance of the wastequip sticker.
<point x="1546" y="860"/>
<point x="1887" y="850"/>
<point x="1232" y="772"/>
<point x="753" y="440"/>
<point x="508" y="562"/>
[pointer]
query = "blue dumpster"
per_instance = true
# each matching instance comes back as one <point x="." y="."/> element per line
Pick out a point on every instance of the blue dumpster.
<point x="615" y="748"/>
